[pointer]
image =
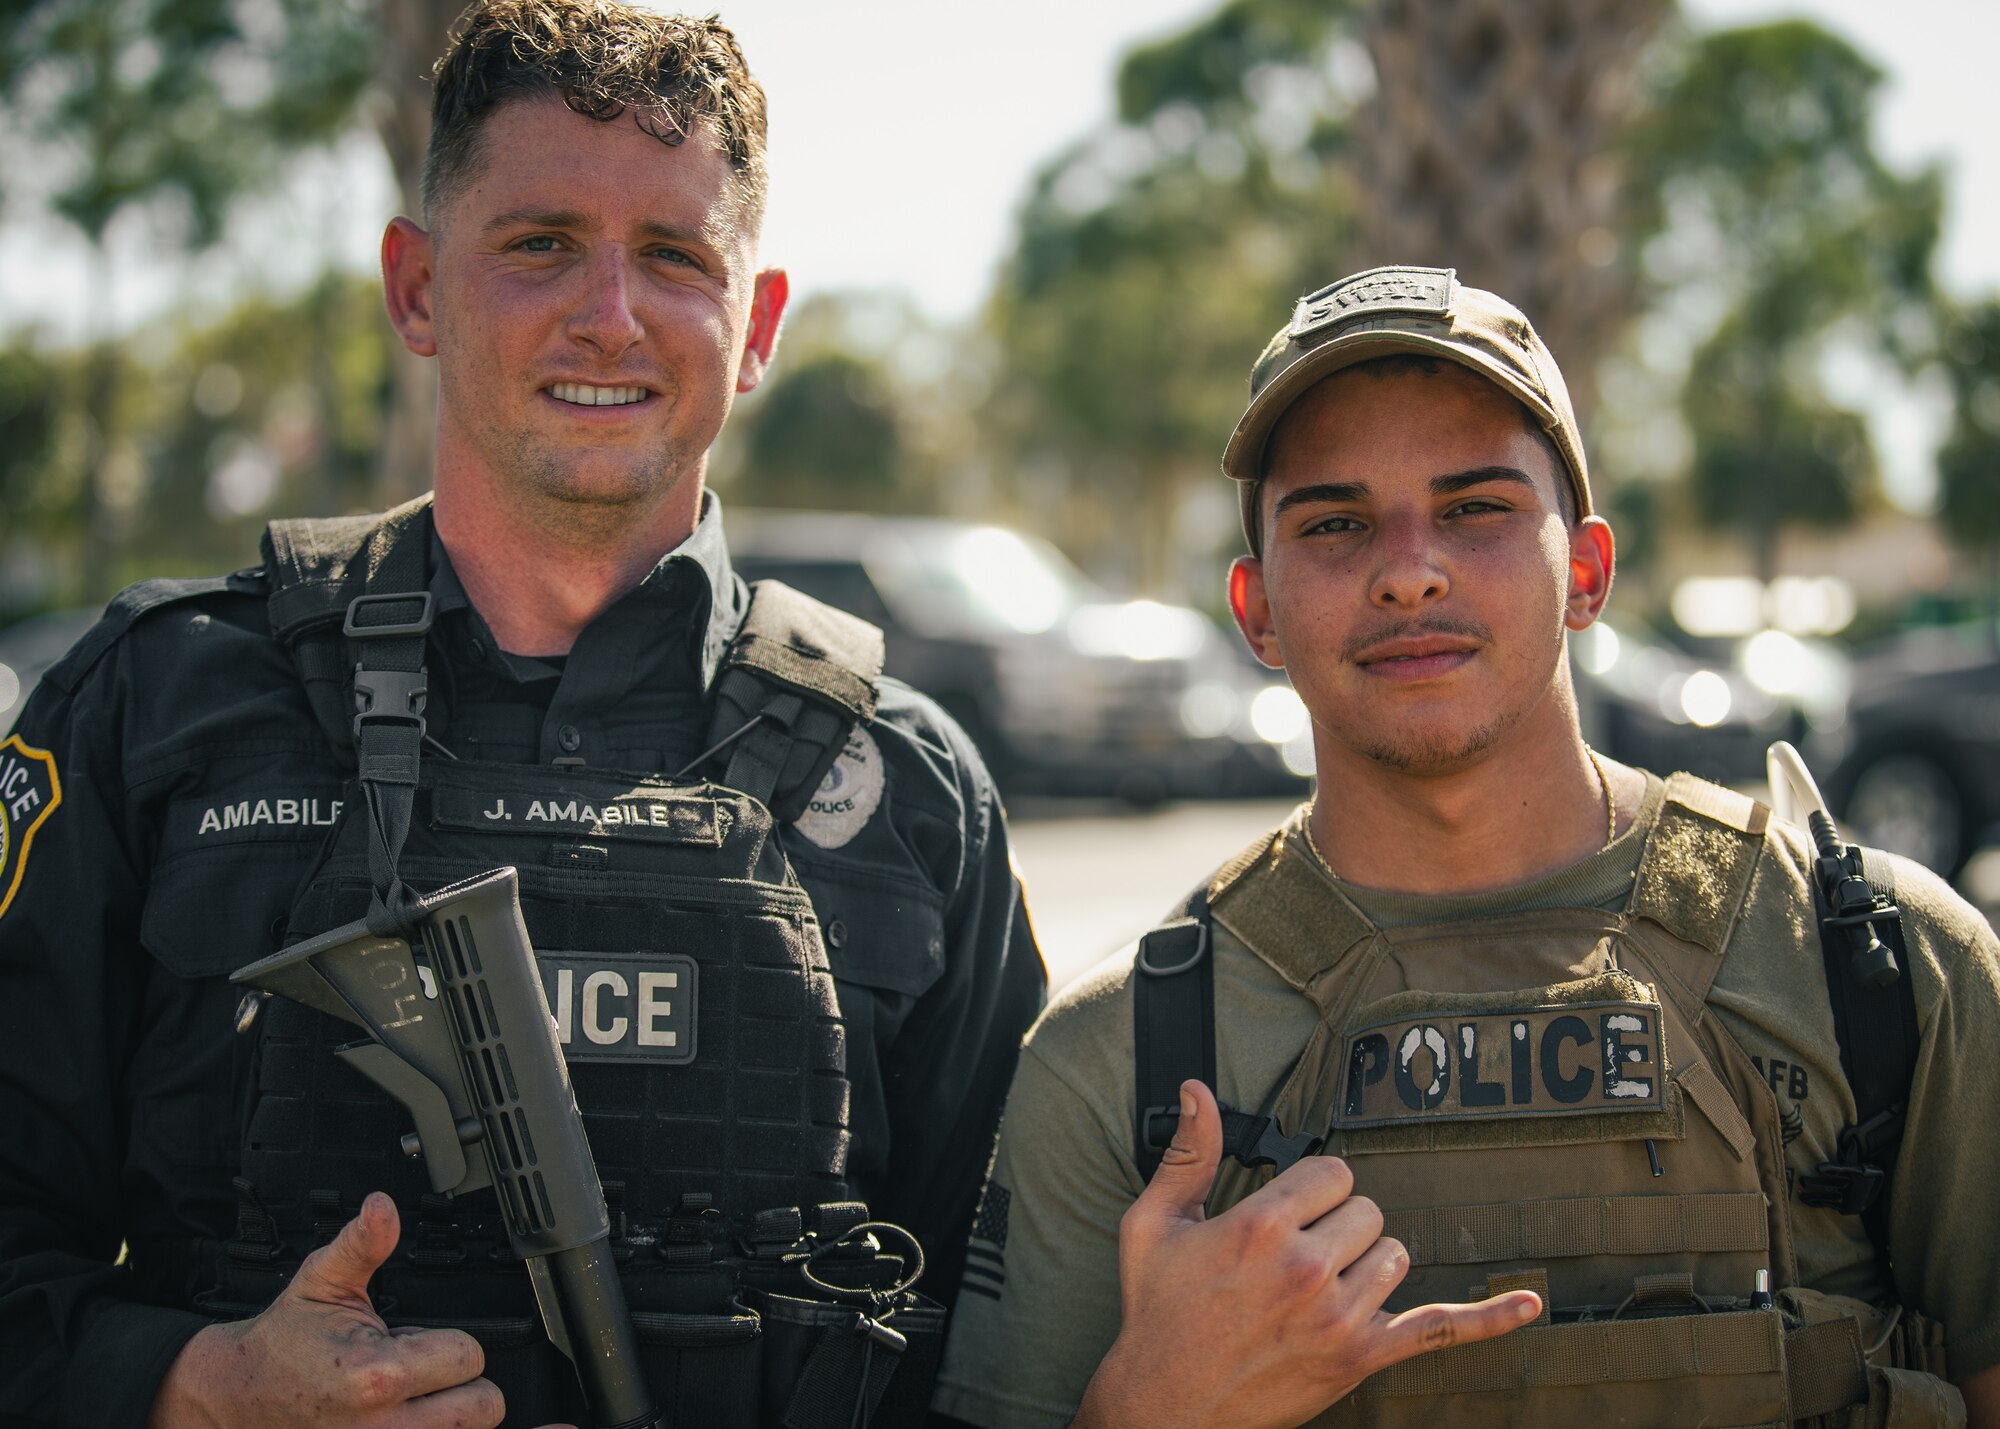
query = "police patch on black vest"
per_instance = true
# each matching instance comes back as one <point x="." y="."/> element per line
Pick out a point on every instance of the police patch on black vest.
<point x="1534" y="1061"/>
<point x="29" y="793"/>
<point x="621" y="1007"/>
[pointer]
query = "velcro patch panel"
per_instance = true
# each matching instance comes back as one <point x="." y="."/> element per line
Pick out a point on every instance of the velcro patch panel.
<point x="1537" y="1061"/>
<point x="621" y="1007"/>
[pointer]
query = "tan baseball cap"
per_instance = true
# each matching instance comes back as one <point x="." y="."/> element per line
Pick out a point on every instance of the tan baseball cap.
<point x="1384" y="311"/>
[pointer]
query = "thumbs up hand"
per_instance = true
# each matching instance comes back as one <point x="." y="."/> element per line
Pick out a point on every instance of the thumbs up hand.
<point x="320" y="1355"/>
<point x="1271" y="1311"/>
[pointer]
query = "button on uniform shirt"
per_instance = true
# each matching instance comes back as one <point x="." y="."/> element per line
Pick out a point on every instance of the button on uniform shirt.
<point x="182" y="790"/>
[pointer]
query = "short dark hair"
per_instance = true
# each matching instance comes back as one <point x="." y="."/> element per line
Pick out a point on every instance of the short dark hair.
<point x="1404" y="364"/>
<point x="601" y="58"/>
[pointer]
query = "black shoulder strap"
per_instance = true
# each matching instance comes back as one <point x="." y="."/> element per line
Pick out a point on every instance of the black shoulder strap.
<point x="1173" y="1025"/>
<point x="350" y="599"/>
<point x="1173" y="1040"/>
<point x="1876" y="1027"/>
<point x="797" y="679"/>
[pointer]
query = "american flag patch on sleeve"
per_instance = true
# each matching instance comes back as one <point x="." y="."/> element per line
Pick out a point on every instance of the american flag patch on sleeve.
<point x="985" y="1264"/>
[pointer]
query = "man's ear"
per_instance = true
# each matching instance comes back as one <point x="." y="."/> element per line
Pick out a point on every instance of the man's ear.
<point x="1592" y="557"/>
<point x="409" y="266"/>
<point x="1252" y="609"/>
<point x="767" y="310"/>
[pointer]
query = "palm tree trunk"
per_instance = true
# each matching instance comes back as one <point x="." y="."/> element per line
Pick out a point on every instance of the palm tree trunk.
<point x="1487" y="149"/>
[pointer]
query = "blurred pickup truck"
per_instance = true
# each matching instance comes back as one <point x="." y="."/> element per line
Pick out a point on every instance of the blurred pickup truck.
<point x="1065" y="689"/>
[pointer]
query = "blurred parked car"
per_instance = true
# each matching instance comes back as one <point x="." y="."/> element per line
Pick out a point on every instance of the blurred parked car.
<point x="1645" y="702"/>
<point x="1915" y="767"/>
<point x="1064" y="688"/>
<point x="27" y="648"/>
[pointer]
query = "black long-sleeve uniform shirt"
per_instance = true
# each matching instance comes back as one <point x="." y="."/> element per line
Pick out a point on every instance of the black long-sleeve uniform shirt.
<point x="183" y="789"/>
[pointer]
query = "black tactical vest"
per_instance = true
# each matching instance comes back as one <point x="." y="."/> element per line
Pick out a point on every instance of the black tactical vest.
<point x="684" y="967"/>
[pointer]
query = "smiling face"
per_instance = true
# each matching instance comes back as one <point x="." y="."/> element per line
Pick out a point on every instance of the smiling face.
<point x="1418" y="572"/>
<point x="592" y="298"/>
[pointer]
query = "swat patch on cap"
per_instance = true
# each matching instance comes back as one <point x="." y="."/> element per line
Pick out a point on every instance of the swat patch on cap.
<point x="29" y="793"/>
<point x="1528" y="1062"/>
<point x="849" y="795"/>
<point x="1379" y="290"/>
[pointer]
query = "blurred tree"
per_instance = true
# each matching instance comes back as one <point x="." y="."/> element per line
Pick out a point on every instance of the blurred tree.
<point x="1154" y="260"/>
<point x="1969" y="463"/>
<point x="189" y="102"/>
<point x="1489" y="147"/>
<point x="825" y="435"/>
<point x="865" y="410"/>
<point x="1764" y="199"/>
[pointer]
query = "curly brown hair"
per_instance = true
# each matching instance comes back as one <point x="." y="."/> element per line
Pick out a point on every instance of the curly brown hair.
<point x="602" y="58"/>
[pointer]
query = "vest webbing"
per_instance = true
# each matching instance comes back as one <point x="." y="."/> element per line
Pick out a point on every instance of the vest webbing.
<point x="794" y="683"/>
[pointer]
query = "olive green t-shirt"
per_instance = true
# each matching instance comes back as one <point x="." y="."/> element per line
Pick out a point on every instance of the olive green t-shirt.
<point x="1039" y="1303"/>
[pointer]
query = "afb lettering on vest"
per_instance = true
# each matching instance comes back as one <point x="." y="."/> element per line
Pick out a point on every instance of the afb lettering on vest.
<point x="621" y="1007"/>
<point x="1540" y="1060"/>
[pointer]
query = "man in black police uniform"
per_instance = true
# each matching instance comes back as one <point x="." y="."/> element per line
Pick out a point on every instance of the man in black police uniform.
<point x="195" y="792"/>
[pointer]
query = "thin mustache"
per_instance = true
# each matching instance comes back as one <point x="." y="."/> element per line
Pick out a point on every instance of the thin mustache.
<point x="1408" y="629"/>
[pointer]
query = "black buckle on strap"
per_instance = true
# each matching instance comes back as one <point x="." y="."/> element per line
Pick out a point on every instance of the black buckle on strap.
<point x="1840" y="1187"/>
<point x="1856" y="1181"/>
<point x="1279" y="1151"/>
<point x="388" y="629"/>
<point x="390" y="695"/>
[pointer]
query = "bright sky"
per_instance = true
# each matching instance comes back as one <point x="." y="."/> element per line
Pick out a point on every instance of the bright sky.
<point x="904" y="132"/>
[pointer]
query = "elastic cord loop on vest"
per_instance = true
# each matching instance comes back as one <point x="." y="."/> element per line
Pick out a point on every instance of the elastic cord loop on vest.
<point x="913" y="1265"/>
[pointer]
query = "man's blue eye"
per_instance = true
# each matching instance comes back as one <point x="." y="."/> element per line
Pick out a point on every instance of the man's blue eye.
<point x="540" y="243"/>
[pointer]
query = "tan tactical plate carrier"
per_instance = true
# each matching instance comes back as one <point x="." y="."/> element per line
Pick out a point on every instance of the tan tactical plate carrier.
<point x="1555" y="1110"/>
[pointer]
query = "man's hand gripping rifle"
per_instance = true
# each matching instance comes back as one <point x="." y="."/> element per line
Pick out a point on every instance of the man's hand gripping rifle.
<point x="460" y="1033"/>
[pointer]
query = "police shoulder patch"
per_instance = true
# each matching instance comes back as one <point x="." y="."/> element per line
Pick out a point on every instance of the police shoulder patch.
<point x="30" y="790"/>
<point x="849" y="795"/>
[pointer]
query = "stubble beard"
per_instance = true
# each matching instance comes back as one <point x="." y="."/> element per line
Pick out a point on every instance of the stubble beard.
<point x="1431" y="747"/>
<point x="573" y="494"/>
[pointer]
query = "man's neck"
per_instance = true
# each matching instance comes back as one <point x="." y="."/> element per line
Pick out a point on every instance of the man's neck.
<point x="539" y="573"/>
<point x="1519" y="812"/>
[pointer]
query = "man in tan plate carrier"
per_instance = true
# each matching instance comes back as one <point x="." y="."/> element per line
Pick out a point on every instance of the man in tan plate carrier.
<point x="1584" y="1069"/>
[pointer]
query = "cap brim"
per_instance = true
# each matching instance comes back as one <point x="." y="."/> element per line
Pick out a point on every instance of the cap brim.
<point x="1243" y="458"/>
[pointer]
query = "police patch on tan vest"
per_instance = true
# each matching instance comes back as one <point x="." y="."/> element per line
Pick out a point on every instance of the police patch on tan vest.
<point x="1551" y="1057"/>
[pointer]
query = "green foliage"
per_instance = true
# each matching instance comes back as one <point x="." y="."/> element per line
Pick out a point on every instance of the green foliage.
<point x="1969" y="464"/>
<point x="1153" y="261"/>
<point x="827" y="434"/>
<point x="277" y="406"/>
<point x="1761" y="181"/>
<point x="142" y="98"/>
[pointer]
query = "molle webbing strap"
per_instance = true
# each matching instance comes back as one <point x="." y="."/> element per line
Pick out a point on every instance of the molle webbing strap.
<point x="1582" y="1226"/>
<point x="1825" y="1368"/>
<point x="1297" y="921"/>
<point x="316" y="568"/>
<point x="1173" y="1025"/>
<point x="1706" y="1091"/>
<point x="350" y="598"/>
<point x="1607" y="1352"/>
<point x="1698" y="865"/>
<point x="388" y="632"/>
<point x="797" y="679"/>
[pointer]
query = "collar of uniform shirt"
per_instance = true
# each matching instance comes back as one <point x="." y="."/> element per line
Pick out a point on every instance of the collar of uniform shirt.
<point x="694" y="574"/>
